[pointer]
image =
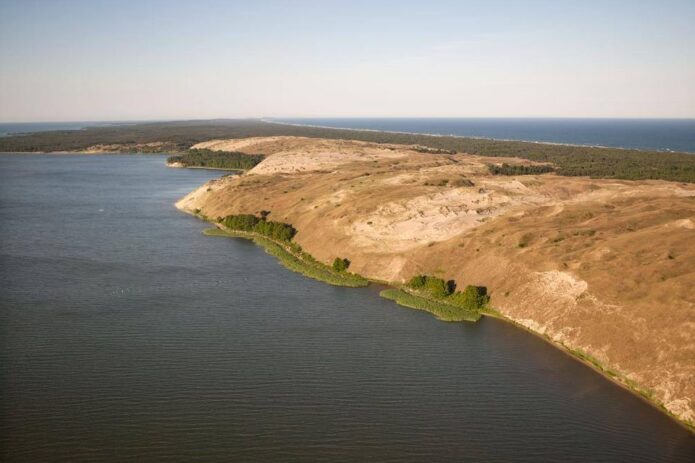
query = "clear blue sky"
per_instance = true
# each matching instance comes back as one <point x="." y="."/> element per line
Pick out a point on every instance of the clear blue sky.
<point x="118" y="60"/>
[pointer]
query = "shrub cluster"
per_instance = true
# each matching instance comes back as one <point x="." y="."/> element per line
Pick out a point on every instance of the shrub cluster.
<point x="435" y="287"/>
<point x="471" y="298"/>
<point x="250" y="223"/>
<point x="340" y="265"/>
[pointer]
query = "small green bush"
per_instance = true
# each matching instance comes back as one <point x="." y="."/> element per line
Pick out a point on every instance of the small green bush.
<point x="341" y="265"/>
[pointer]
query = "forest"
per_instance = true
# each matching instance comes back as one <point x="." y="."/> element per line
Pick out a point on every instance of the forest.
<point x="216" y="159"/>
<point x="568" y="160"/>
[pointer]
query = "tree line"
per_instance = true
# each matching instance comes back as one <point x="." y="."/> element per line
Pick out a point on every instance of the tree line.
<point x="250" y="223"/>
<point x="569" y="160"/>
<point x="217" y="159"/>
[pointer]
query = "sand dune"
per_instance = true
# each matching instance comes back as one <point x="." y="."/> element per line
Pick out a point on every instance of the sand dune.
<point x="605" y="267"/>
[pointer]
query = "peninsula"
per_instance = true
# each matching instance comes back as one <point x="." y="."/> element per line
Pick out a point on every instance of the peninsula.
<point x="601" y="267"/>
<point x="591" y="248"/>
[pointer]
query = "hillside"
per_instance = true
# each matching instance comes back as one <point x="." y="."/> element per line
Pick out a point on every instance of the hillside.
<point x="603" y="267"/>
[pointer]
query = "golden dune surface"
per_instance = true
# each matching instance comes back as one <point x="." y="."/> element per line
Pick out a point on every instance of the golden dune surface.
<point x="605" y="268"/>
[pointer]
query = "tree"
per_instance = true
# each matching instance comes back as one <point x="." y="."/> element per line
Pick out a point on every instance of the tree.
<point x="340" y="265"/>
<point x="436" y="287"/>
<point x="471" y="298"/>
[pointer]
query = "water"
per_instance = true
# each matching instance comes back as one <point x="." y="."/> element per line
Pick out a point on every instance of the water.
<point x="127" y="334"/>
<point x="651" y="134"/>
<point x="13" y="128"/>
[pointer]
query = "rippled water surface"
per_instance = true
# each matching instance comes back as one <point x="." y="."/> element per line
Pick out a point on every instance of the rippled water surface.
<point x="127" y="334"/>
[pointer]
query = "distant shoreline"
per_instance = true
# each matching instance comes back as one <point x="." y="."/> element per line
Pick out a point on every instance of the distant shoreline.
<point x="474" y="137"/>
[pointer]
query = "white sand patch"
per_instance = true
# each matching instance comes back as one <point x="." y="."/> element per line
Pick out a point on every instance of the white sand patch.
<point x="427" y="218"/>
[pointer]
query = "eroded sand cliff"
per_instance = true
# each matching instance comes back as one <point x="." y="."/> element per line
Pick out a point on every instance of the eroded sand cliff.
<point x="605" y="267"/>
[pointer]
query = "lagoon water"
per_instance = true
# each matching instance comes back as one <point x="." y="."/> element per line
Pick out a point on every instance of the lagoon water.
<point x="127" y="334"/>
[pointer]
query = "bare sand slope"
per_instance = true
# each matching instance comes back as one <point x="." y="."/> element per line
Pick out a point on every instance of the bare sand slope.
<point x="604" y="267"/>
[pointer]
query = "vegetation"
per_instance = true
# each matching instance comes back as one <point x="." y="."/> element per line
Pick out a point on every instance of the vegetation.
<point x="508" y="169"/>
<point x="276" y="239"/>
<point x="440" y="310"/>
<point x="293" y="258"/>
<point x="568" y="160"/>
<point x="217" y="159"/>
<point x="472" y="298"/>
<point x="250" y="223"/>
<point x="432" y="286"/>
<point x="340" y="265"/>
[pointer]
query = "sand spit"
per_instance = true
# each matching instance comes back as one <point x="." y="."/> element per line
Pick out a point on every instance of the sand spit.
<point x="603" y="267"/>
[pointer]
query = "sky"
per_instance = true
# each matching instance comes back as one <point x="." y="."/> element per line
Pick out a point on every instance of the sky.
<point x="94" y="60"/>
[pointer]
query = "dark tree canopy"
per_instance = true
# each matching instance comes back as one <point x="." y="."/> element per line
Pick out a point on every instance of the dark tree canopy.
<point x="250" y="223"/>
<point x="217" y="159"/>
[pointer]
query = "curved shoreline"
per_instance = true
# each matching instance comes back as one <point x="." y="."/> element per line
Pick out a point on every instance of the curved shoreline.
<point x="613" y="376"/>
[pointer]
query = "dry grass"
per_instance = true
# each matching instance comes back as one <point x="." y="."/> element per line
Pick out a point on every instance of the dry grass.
<point x="606" y="267"/>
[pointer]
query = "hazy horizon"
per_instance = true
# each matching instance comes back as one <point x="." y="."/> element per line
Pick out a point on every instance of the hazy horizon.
<point x="279" y="118"/>
<point x="154" y="61"/>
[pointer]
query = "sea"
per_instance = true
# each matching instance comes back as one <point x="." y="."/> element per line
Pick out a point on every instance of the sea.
<point x="644" y="134"/>
<point x="126" y="334"/>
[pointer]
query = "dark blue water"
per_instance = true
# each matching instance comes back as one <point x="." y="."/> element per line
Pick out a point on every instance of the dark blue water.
<point x="128" y="335"/>
<point x="652" y="134"/>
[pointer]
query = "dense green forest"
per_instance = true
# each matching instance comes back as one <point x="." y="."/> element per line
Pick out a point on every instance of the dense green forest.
<point x="216" y="159"/>
<point x="568" y="160"/>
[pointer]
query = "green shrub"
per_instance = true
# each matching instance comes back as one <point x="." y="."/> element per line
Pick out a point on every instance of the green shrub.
<point x="417" y="282"/>
<point x="471" y="298"/>
<point x="435" y="287"/>
<point x="340" y="265"/>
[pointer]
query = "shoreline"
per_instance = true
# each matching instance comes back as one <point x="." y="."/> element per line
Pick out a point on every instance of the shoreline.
<point x="173" y="166"/>
<point x="473" y="137"/>
<point x="615" y="377"/>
